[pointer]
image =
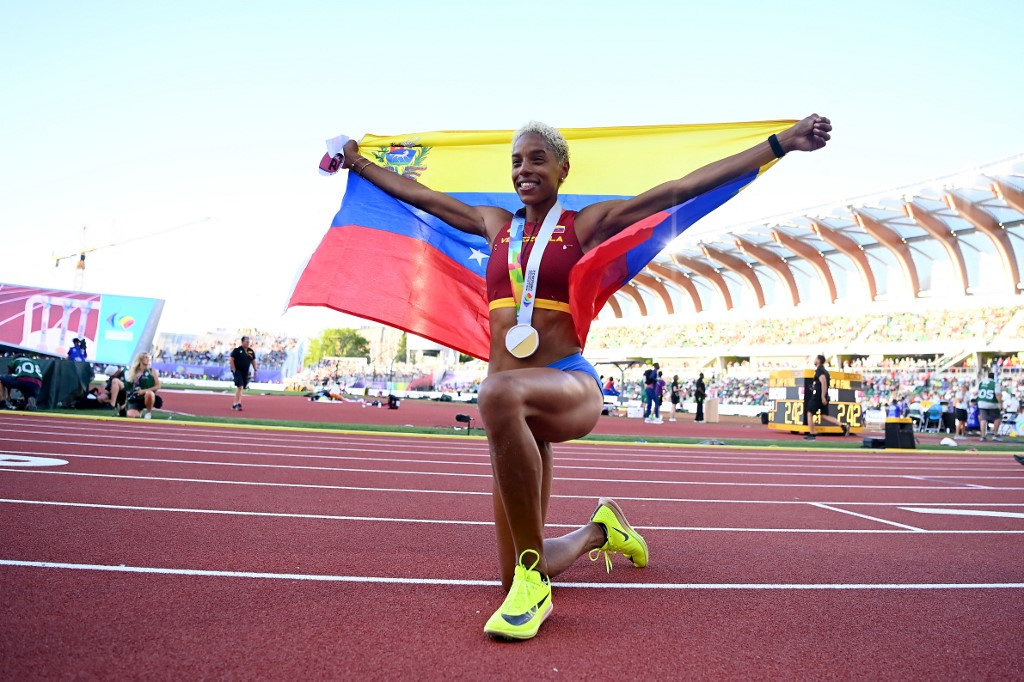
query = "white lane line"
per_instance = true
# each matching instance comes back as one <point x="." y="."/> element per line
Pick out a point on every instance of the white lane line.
<point x="424" y="446"/>
<point x="576" y="479"/>
<point x="797" y="586"/>
<point x="237" y="453"/>
<point x="237" y="440"/>
<point x="636" y="498"/>
<point x="371" y="519"/>
<point x="295" y="467"/>
<point x="268" y="484"/>
<point x="478" y="448"/>
<point x="865" y="516"/>
<point x="392" y="460"/>
<point x="947" y="479"/>
<point x="964" y="512"/>
<point x="564" y="462"/>
<point x="368" y="488"/>
<point x="232" y="512"/>
<point x="447" y="581"/>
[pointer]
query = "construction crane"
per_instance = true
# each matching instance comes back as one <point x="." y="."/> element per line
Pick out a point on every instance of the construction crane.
<point x="80" y="267"/>
<point x="80" y="254"/>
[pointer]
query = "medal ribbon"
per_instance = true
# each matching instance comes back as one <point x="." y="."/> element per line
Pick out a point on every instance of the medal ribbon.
<point x="524" y="282"/>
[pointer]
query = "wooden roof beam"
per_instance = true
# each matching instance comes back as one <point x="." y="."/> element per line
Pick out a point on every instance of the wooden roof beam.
<point x="852" y="250"/>
<point x="681" y="281"/>
<point x="656" y="287"/>
<point x="894" y="242"/>
<point x="813" y="257"/>
<point x="986" y="223"/>
<point x="774" y="262"/>
<point x="1010" y="194"/>
<point x="708" y="272"/>
<point x="941" y="233"/>
<point x="634" y="293"/>
<point x="613" y="303"/>
<point x="741" y="268"/>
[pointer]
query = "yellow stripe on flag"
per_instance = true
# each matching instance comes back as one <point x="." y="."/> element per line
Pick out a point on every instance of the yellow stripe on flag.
<point x="622" y="161"/>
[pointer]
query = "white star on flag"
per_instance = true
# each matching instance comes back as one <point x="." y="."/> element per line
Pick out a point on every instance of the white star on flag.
<point x="478" y="256"/>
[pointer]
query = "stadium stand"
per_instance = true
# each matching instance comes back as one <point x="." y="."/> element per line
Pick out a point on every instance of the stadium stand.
<point x="919" y="289"/>
<point x="954" y="236"/>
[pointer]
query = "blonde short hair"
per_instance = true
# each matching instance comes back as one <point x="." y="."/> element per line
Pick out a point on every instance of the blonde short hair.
<point x="552" y="138"/>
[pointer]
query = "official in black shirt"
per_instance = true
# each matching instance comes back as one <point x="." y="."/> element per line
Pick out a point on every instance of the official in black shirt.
<point x="818" y="401"/>
<point x="242" y="359"/>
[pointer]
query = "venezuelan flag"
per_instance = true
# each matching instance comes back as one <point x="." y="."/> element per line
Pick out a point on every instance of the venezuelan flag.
<point x="386" y="261"/>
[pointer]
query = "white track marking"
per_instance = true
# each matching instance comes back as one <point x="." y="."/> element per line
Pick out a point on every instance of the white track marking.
<point x="372" y="519"/>
<point x="964" y="512"/>
<point x="232" y="512"/>
<point x="262" y="483"/>
<point x="477" y="448"/>
<point x="553" y="496"/>
<point x="483" y="464"/>
<point x="565" y="458"/>
<point x="575" y="479"/>
<point x="489" y="583"/>
<point x="952" y="480"/>
<point x="10" y="460"/>
<point x="869" y="518"/>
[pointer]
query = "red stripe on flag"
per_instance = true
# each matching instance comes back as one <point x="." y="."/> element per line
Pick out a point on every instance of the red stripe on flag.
<point x="603" y="271"/>
<point x="398" y="281"/>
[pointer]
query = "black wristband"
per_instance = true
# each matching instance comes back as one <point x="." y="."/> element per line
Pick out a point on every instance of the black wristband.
<point x="776" y="147"/>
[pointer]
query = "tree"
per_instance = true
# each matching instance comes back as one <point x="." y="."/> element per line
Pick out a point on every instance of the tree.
<point x="403" y="348"/>
<point x="345" y="343"/>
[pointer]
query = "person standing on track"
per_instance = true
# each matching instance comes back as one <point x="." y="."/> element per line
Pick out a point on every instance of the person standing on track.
<point x="659" y="397"/>
<point x="539" y="389"/>
<point x="650" y="381"/>
<point x="818" y="404"/>
<point x="990" y="406"/>
<point x="673" y="393"/>
<point x="241" y="359"/>
<point x="700" y="392"/>
<point x="960" y="410"/>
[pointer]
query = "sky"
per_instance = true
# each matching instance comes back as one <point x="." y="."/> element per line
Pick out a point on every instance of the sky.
<point x="184" y="137"/>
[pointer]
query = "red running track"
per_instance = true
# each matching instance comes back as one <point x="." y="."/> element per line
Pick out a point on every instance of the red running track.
<point x="164" y="550"/>
<point x="438" y="414"/>
<point x="429" y="413"/>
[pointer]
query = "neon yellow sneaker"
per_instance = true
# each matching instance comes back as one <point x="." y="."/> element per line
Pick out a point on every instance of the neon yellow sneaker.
<point x="620" y="536"/>
<point x="527" y="605"/>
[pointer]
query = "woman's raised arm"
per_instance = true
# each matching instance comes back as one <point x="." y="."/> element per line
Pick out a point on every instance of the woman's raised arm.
<point x="461" y="216"/>
<point x="603" y="220"/>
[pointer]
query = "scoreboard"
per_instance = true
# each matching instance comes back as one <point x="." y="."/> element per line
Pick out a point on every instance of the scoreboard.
<point x="788" y="396"/>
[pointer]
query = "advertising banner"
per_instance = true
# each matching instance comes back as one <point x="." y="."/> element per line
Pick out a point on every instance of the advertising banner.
<point x="182" y="370"/>
<point x="114" y="327"/>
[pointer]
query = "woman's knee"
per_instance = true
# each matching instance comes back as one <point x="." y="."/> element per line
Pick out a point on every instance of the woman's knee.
<point x="499" y="394"/>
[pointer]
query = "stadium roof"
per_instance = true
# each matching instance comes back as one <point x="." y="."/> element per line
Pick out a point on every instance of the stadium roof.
<point x="958" y="235"/>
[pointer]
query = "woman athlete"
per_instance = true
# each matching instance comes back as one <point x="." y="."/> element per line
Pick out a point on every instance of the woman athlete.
<point x="539" y="390"/>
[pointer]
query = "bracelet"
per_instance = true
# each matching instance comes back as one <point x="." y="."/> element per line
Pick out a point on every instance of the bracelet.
<point x="359" y="171"/>
<point x="776" y="146"/>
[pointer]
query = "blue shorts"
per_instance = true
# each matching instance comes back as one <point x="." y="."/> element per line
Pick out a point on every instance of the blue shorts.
<point x="577" y="363"/>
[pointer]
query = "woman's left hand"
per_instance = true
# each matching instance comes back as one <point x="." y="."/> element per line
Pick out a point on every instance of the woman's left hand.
<point x="808" y="135"/>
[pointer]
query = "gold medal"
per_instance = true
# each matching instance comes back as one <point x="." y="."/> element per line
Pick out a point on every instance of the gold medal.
<point x="522" y="341"/>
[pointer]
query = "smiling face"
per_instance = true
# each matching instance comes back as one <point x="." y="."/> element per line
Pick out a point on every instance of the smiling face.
<point x="536" y="170"/>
